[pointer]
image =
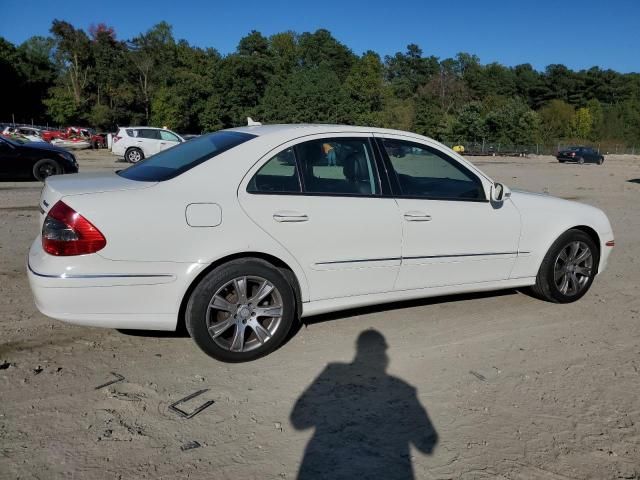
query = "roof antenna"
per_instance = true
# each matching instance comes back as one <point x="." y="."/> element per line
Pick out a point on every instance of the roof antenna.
<point x="252" y="123"/>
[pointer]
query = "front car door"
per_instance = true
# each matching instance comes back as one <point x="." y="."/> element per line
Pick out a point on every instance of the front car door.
<point x="452" y="234"/>
<point x="168" y="139"/>
<point x="321" y="199"/>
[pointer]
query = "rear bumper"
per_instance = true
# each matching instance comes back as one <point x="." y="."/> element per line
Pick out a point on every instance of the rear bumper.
<point x="90" y="290"/>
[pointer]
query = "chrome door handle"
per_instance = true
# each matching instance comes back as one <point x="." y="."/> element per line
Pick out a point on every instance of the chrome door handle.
<point x="417" y="217"/>
<point x="290" y="217"/>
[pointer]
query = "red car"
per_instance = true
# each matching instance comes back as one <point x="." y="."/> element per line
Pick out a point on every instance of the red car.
<point x="96" y="140"/>
<point x="48" y="135"/>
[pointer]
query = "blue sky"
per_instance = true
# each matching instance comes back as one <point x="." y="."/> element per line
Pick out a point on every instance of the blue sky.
<point x="579" y="34"/>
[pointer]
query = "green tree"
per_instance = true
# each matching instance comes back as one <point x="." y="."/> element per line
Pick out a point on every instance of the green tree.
<point x="556" y="120"/>
<point x="582" y="123"/>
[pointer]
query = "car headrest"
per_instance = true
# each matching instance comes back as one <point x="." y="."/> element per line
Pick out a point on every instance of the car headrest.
<point x="355" y="167"/>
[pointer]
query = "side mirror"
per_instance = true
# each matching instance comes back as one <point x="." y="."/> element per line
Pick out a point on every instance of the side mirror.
<point x="499" y="192"/>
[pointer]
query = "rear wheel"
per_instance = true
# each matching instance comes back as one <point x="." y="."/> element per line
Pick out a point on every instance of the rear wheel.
<point x="241" y="311"/>
<point x="134" y="155"/>
<point x="45" y="168"/>
<point x="581" y="161"/>
<point x="568" y="269"/>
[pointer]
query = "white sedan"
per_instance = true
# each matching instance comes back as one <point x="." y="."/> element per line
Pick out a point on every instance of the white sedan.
<point x="242" y="232"/>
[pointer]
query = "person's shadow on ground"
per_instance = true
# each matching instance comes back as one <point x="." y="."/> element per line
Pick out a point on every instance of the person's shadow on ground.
<point x="365" y="420"/>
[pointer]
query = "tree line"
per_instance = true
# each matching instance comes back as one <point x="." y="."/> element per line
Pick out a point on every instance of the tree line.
<point x="94" y="78"/>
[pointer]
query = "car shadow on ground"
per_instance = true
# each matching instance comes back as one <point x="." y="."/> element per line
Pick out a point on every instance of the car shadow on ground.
<point x="365" y="420"/>
<point x="634" y="180"/>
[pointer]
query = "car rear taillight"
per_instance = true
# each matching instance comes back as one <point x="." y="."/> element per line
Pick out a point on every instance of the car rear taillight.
<point x="65" y="232"/>
<point x="116" y="138"/>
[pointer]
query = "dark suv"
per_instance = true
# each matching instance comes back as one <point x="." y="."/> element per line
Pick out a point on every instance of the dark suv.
<point x="580" y="155"/>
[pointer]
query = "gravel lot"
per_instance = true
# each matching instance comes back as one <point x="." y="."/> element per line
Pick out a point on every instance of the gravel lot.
<point x="481" y="386"/>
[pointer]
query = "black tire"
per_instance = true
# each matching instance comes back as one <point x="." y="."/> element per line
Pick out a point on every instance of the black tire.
<point x="600" y="160"/>
<point x="546" y="286"/>
<point x="219" y="283"/>
<point x="581" y="161"/>
<point x="45" y="168"/>
<point x="133" y="155"/>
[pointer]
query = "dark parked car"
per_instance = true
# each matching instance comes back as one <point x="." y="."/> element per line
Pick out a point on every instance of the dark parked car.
<point x="580" y="155"/>
<point x="37" y="160"/>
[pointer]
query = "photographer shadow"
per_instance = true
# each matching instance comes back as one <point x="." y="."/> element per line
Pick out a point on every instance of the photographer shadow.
<point x="365" y="420"/>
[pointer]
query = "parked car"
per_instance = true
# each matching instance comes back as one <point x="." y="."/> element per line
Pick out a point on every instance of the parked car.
<point x="138" y="143"/>
<point x="580" y="155"/>
<point x="49" y="135"/>
<point x="89" y="135"/>
<point x="37" y="160"/>
<point x="29" y="133"/>
<point x="242" y="232"/>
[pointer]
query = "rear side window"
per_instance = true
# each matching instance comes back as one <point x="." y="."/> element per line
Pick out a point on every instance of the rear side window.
<point x="338" y="166"/>
<point x="174" y="161"/>
<point x="149" y="133"/>
<point x="278" y="175"/>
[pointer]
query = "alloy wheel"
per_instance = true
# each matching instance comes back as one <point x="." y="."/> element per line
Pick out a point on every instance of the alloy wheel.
<point x="134" y="156"/>
<point x="244" y="313"/>
<point x="46" y="170"/>
<point x="573" y="268"/>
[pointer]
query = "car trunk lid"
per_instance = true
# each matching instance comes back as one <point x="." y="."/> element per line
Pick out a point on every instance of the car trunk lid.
<point x="60" y="186"/>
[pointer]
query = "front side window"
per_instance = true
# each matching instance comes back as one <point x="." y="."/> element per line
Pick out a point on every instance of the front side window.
<point x="168" y="136"/>
<point x="172" y="162"/>
<point x="278" y="175"/>
<point x="338" y="166"/>
<point x="425" y="172"/>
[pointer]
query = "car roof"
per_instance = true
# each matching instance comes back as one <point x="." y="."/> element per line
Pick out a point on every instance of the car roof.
<point x="148" y="128"/>
<point x="302" y="129"/>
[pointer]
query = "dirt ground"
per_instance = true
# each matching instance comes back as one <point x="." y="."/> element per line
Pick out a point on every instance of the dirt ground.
<point x="481" y="386"/>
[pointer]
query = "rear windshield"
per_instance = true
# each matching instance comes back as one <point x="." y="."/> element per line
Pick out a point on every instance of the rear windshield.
<point x="184" y="156"/>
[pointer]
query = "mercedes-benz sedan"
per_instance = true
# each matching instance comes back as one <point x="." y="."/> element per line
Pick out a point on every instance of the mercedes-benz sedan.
<point x="242" y="232"/>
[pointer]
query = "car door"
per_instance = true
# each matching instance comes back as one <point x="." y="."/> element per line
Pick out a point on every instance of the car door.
<point x="452" y="234"/>
<point x="11" y="165"/>
<point x="167" y="140"/>
<point x="321" y="199"/>
<point x="147" y="139"/>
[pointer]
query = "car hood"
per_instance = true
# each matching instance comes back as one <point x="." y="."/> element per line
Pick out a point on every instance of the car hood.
<point x="541" y="204"/>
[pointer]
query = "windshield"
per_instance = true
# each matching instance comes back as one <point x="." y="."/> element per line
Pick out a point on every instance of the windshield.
<point x="174" y="161"/>
<point x="13" y="141"/>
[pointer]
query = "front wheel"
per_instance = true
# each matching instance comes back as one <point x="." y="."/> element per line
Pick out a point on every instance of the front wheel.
<point x="600" y="160"/>
<point x="568" y="269"/>
<point x="581" y="161"/>
<point x="241" y="311"/>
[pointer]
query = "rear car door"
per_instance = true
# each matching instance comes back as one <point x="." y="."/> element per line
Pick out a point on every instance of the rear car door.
<point x="147" y="139"/>
<point x="452" y="234"/>
<point x="321" y="199"/>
